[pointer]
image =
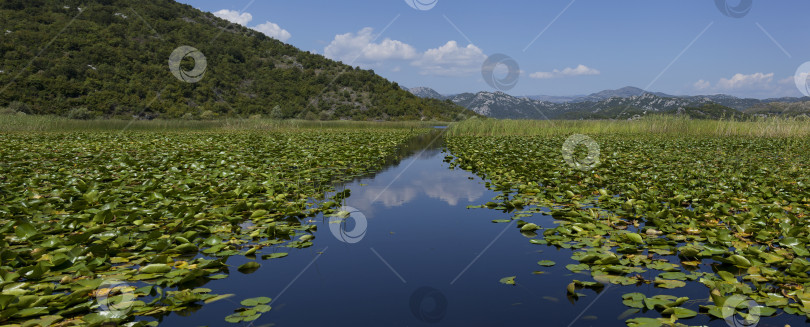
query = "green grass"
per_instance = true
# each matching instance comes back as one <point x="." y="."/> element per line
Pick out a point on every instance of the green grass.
<point x="763" y="127"/>
<point x="30" y="123"/>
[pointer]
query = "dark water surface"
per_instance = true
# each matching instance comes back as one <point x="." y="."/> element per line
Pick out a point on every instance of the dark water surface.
<point x="424" y="260"/>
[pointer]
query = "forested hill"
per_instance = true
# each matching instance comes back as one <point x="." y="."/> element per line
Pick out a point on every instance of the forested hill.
<point x="112" y="58"/>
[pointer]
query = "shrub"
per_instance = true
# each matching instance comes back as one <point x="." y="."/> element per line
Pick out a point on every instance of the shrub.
<point x="17" y="106"/>
<point x="276" y="113"/>
<point x="80" y="113"/>
<point x="208" y="114"/>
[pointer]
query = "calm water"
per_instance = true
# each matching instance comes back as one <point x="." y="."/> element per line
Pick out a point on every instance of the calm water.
<point x="423" y="259"/>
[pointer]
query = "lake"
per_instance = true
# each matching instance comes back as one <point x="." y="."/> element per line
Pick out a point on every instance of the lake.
<point x="412" y="254"/>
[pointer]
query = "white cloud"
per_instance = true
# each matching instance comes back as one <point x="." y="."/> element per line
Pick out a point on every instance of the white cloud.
<point x="361" y="48"/>
<point x="580" y="70"/>
<point x="758" y="85"/>
<point x="451" y="60"/>
<point x="234" y="16"/>
<point x="702" y="85"/>
<point x="268" y="28"/>
<point x="741" y="81"/>
<point x="273" y="30"/>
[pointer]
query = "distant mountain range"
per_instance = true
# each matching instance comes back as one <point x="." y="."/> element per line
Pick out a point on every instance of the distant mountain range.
<point x="624" y="103"/>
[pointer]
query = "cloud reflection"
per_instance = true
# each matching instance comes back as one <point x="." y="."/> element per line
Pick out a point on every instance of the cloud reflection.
<point x="449" y="187"/>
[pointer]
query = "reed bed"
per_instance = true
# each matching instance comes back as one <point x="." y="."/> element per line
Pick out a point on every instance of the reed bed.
<point x="761" y="127"/>
<point x="30" y="123"/>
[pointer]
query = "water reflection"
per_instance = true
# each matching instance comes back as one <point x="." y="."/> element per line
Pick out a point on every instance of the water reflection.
<point x="419" y="176"/>
<point x="436" y="185"/>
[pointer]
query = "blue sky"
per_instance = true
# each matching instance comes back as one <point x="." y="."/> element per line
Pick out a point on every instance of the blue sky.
<point x="581" y="46"/>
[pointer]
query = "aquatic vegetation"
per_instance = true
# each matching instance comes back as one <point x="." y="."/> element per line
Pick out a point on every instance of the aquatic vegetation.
<point x="106" y="227"/>
<point x="730" y="213"/>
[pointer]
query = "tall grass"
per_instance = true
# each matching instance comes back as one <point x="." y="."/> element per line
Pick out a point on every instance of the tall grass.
<point x="656" y="124"/>
<point x="30" y="123"/>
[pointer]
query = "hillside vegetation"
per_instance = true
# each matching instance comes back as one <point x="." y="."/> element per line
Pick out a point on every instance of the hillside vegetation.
<point x="110" y="58"/>
<point x="781" y="108"/>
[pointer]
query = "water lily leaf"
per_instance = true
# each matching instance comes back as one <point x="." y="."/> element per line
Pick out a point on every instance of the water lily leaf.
<point x="255" y="301"/>
<point x="249" y="267"/>
<point x="258" y="213"/>
<point x="571" y="289"/>
<point x="776" y="300"/>
<point x="508" y="280"/>
<point x="218" y="297"/>
<point x="739" y="261"/>
<point x="156" y="269"/>
<point x="529" y="227"/>
<point x="677" y="275"/>
<point x="577" y="268"/>
<point x="274" y="255"/>
<point x="635" y="238"/>
<point x="34" y="311"/>
<point x="262" y="308"/>
<point x="234" y="318"/>
<point x="186" y="248"/>
<point x="546" y="263"/>
<point x="634" y="300"/>
<point x="727" y="276"/>
<point x="213" y="240"/>
<point x="679" y="312"/>
<point x="25" y="230"/>
<point x="666" y="283"/>
<point x="644" y="322"/>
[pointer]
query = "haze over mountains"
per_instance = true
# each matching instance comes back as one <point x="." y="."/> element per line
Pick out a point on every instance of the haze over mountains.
<point x="623" y="103"/>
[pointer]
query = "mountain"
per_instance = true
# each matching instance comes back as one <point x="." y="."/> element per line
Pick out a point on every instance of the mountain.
<point x="502" y="105"/>
<point x="744" y="103"/>
<point x="623" y="103"/>
<point x="625" y="92"/>
<point x="630" y="91"/>
<point x="555" y="98"/>
<point x="110" y="58"/>
<point x="426" y="93"/>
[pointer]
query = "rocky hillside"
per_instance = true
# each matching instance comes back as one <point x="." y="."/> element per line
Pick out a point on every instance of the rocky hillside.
<point x="110" y="58"/>
<point x="624" y="103"/>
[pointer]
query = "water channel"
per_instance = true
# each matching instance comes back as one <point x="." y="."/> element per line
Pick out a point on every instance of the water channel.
<point x="412" y="254"/>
